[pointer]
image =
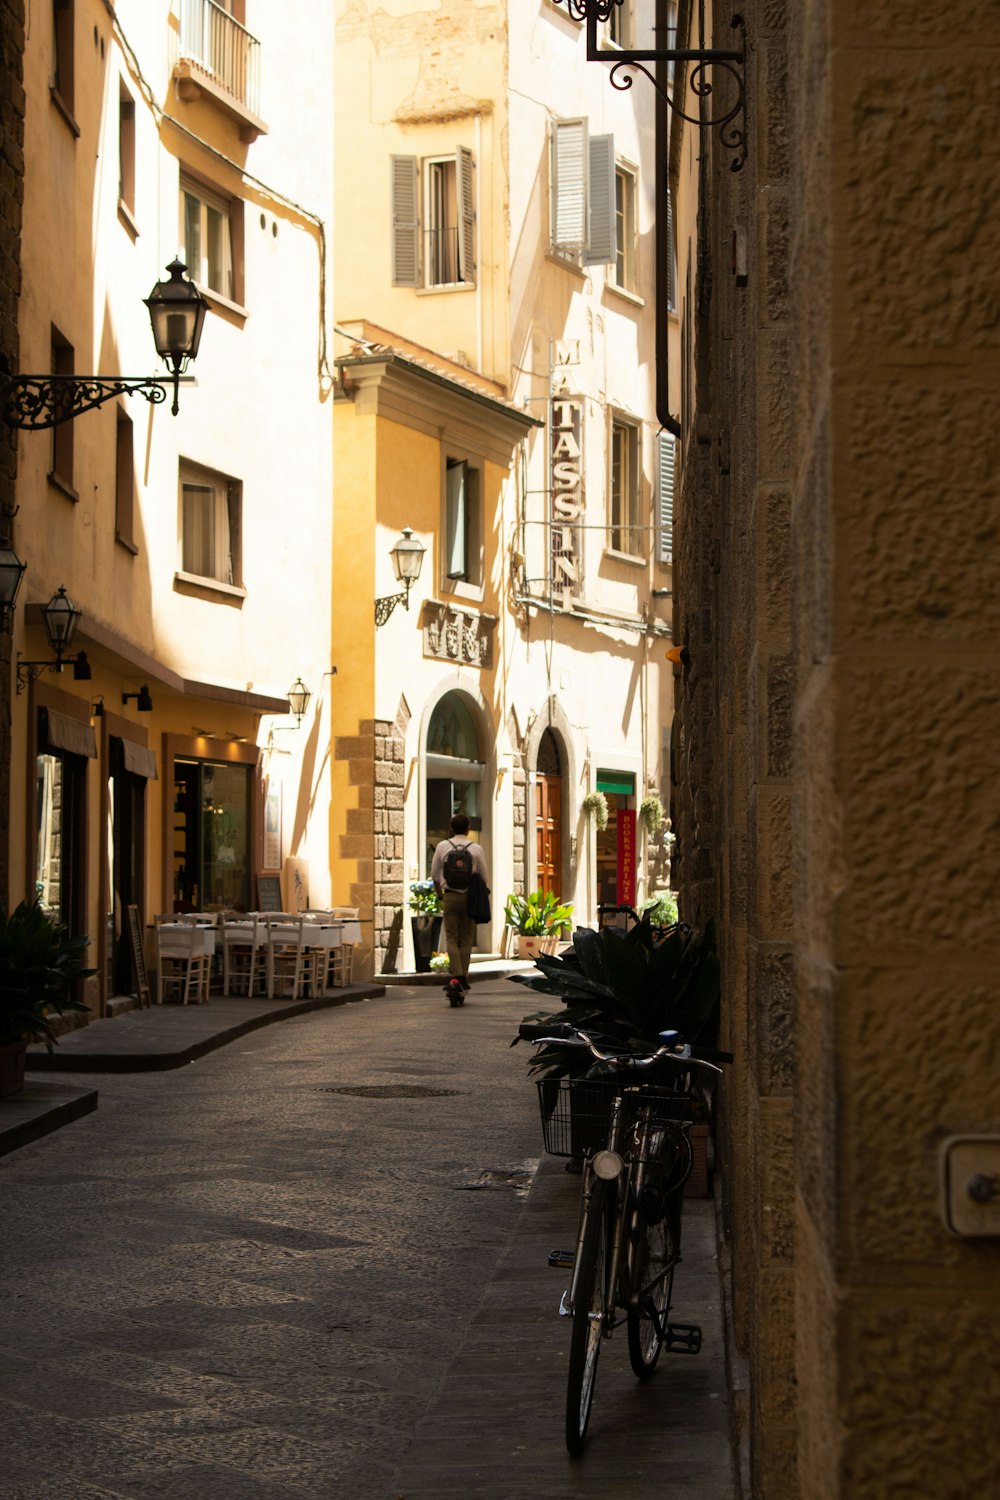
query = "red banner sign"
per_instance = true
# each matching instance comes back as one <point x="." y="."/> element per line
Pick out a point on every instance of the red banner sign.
<point x="626" y="856"/>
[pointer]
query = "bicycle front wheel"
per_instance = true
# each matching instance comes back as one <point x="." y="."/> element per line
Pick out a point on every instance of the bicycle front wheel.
<point x="588" y="1315"/>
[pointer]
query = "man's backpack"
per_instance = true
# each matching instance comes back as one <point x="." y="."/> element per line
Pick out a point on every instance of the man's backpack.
<point x="458" y="867"/>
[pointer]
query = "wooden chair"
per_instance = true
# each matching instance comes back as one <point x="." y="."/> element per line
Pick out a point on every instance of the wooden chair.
<point x="244" y="955"/>
<point x="183" y="965"/>
<point x="341" y="964"/>
<point x="291" y="964"/>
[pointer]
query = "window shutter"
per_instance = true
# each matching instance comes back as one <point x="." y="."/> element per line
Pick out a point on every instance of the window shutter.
<point x="666" y="488"/>
<point x="405" y="222"/>
<point x="456" y="528"/>
<point x="602" y="239"/>
<point x="569" y="184"/>
<point x="465" y="193"/>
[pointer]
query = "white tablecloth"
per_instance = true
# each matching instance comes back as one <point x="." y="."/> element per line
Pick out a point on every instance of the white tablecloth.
<point x="178" y="939"/>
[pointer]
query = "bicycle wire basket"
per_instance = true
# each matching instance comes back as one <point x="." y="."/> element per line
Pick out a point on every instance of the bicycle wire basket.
<point x="576" y="1112"/>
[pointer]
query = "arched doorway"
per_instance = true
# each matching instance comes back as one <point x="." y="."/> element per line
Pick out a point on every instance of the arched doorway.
<point x="548" y="815"/>
<point x="455" y="769"/>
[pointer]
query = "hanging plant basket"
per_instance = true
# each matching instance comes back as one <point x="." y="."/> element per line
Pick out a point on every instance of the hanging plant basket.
<point x="651" y="813"/>
<point x="595" y="805"/>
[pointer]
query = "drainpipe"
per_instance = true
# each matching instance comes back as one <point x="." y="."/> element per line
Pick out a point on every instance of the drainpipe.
<point x="661" y="154"/>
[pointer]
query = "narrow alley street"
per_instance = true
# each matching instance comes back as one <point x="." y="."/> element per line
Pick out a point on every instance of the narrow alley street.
<point x="306" y="1265"/>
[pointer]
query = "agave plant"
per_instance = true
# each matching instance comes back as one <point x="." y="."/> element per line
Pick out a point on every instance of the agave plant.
<point x="39" y="962"/>
<point x="626" y="988"/>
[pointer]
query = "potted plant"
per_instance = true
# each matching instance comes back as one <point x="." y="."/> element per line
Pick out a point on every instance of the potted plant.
<point x="625" y="988"/>
<point x="661" y="910"/>
<point x="39" y="964"/>
<point x="539" y="919"/>
<point x="425" y="920"/>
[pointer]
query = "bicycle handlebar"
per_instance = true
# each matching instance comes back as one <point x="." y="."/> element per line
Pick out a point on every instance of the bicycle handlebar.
<point x="568" y="1035"/>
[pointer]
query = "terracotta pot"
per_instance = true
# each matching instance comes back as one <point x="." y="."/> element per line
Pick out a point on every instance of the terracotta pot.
<point x="530" y="947"/>
<point x="12" y="1056"/>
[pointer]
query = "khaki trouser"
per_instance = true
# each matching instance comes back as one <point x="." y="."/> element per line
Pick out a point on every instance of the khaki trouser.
<point x="459" y="932"/>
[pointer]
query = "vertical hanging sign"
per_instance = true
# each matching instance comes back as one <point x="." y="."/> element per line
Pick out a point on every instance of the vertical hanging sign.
<point x="626" y="856"/>
<point x="566" y="485"/>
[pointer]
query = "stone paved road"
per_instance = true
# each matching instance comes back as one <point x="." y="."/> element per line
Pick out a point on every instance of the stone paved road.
<point x="234" y="1281"/>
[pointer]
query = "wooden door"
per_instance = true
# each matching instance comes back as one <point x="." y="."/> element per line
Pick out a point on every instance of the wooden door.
<point x="548" y="832"/>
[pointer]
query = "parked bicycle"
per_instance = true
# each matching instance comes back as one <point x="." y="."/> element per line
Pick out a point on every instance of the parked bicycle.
<point x="631" y="1126"/>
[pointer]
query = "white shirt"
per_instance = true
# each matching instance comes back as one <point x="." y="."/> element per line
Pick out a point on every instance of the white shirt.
<point x="459" y="839"/>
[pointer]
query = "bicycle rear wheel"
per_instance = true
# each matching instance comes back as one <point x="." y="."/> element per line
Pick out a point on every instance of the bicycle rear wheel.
<point x="657" y="1228"/>
<point x="588" y="1316"/>
<point x="654" y="1277"/>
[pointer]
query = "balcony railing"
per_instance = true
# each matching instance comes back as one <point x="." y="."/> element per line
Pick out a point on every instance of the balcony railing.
<point x="218" y="44"/>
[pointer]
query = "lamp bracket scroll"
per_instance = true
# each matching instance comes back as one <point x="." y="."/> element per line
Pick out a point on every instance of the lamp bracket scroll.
<point x="407" y="556"/>
<point x="709" y="66"/>
<point x="177" y="314"/>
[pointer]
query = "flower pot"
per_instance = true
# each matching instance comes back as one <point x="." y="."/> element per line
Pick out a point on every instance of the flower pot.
<point x="426" y="931"/>
<point x="12" y="1055"/>
<point x="530" y="947"/>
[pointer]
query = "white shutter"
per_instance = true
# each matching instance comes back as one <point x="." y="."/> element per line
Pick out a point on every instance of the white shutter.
<point x="455" y="521"/>
<point x="405" y="221"/>
<point x="602" y="239"/>
<point x="466" y="197"/>
<point x="569" y="184"/>
<point x="666" y="497"/>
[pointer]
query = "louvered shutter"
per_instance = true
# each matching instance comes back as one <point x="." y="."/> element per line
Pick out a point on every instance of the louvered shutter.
<point x="602" y="245"/>
<point x="569" y="184"/>
<point x="465" y="194"/>
<point x="666" y="489"/>
<point x="405" y="222"/>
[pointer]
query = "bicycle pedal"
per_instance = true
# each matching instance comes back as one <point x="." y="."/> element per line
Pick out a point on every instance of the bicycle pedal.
<point x="561" y="1257"/>
<point x="682" y="1338"/>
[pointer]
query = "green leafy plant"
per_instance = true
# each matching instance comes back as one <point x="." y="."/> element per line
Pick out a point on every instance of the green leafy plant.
<point x="661" y="910"/>
<point x="39" y="962"/>
<point x="626" y="988"/>
<point x="539" y="914"/>
<point x="651" y="813"/>
<point x="424" y="899"/>
<point x="595" y="805"/>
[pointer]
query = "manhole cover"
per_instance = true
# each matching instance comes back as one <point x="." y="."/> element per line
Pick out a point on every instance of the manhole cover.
<point x="392" y="1091"/>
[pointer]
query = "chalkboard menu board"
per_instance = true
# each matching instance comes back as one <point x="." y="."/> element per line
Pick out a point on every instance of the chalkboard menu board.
<point x="138" y="957"/>
<point x="269" y="893"/>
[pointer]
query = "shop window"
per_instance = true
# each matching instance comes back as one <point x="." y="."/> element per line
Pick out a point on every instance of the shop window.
<point x="212" y="864"/>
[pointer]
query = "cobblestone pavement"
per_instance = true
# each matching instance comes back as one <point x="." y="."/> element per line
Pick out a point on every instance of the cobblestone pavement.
<point x="235" y="1280"/>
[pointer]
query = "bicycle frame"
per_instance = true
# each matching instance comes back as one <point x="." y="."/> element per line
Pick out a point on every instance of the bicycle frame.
<point x="627" y="1215"/>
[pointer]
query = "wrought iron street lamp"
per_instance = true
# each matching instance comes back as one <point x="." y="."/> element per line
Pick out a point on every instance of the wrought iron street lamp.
<point x="11" y="573"/>
<point x="61" y="618"/>
<point x="407" y="557"/>
<point x="177" y="313"/>
<point x="298" y="696"/>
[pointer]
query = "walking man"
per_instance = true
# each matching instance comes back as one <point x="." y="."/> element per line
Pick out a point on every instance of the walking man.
<point x="454" y="863"/>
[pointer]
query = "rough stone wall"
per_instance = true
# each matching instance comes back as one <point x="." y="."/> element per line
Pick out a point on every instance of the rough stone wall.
<point x="11" y="199"/>
<point x="837" y="578"/>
